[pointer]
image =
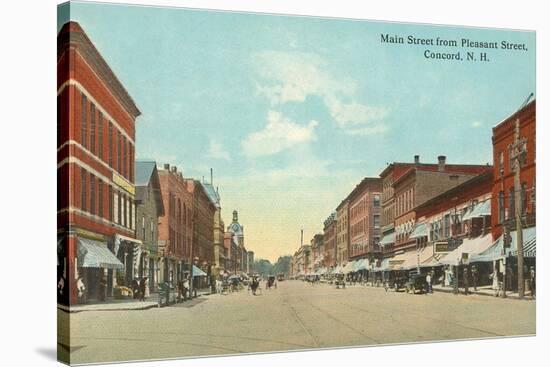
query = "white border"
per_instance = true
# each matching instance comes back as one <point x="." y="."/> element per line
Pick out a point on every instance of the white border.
<point x="28" y="30"/>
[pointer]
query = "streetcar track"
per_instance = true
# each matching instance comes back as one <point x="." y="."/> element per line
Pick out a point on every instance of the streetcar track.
<point x="302" y="325"/>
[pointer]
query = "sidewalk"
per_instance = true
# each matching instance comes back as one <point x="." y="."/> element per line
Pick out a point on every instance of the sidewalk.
<point x="481" y="291"/>
<point x="126" y="304"/>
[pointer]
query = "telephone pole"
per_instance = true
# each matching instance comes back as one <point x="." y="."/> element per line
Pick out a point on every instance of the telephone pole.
<point x="518" y="151"/>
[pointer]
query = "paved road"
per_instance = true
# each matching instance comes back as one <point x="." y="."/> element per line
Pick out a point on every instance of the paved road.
<point x="295" y="316"/>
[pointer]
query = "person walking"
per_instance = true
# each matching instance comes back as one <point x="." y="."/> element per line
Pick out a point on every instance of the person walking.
<point x="142" y="283"/>
<point x="466" y="281"/>
<point x="496" y="286"/>
<point x="185" y="287"/>
<point x="429" y="282"/>
<point x="532" y="283"/>
<point x="474" y="277"/>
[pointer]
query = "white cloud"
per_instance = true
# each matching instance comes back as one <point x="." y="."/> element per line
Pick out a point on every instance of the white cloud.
<point x="216" y="151"/>
<point x="365" y="131"/>
<point x="292" y="77"/>
<point x="476" y="124"/>
<point x="280" y="133"/>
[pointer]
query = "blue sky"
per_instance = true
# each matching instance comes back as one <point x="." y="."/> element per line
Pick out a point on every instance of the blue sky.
<point x="291" y="112"/>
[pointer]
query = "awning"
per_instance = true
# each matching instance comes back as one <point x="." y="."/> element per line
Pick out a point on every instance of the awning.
<point x="337" y="270"/>
<point x="384" y="265"/>
<point x="362" y="264"/>
<point x="197" y="272"/>
<point x="95" y="254"/>
<point x="397" y="261"/>
<point x="470" y="246"/>
<point x="387" y="239"/>
<point x="480" y="209"/>
<point x="349" y="268"/>
<point x="419" y="231"/>
<point x="496" y="251"/>
<point x="417" y="258"/>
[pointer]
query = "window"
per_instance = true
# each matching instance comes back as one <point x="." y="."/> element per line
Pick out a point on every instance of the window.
<point x="110" y="143"/>
<point x="124" y="157"/>
<point x="83" y="190"/>
<point x="119" y="207"/>
<point x="131" y="162"/>
<point x="100" y="195"/>
<point x="501" y="163"/>
<point x="92" y="128"/>
<point x="512" y="201"/>
<point x="143" y="228"/>
<point x="100" y="136"/>
<point x="523" y="204"/>
<point x="119" y="153"/>
<point x="83" y="127"/>
<point x="152" y="231"/>
<point x="92" y="194"/>
<point x="111" y="203"/>
<point x="376" y="221"/>
<point x="376" y="200"/>
<point x="131" y="213"/>
<point x="447" y="224"/>
<point x="501" y="207"/>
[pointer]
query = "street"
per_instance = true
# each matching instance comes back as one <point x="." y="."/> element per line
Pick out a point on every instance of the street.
<point x="296" y="315"/>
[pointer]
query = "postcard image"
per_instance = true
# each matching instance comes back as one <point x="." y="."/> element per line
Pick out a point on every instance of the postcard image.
<point x="233" y="182"/>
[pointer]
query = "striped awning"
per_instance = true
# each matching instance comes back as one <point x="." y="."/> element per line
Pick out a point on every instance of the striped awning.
<point x="419" y="231"/>
<point x="496" y="251"/>
<point x="362" y="264"/>
<point x="197" y="272"/>
<point x="480" y="209"/>
<point x="388" y="239"/>
<point x="95" y="254"/>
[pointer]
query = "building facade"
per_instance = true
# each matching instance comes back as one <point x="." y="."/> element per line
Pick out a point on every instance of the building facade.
<point x="504" y="201"/>
<point x="218" y="263"/>
<point x="364" y="218"/>
<point x="95" y="172"/>
<point x="329" y="240"/>
<point x="149" y="207"/>
<point x="342" y="232"/>
<point x="175" y="233"/>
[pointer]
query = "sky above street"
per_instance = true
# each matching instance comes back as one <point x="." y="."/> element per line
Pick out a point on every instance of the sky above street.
<point x="292" y="112"/>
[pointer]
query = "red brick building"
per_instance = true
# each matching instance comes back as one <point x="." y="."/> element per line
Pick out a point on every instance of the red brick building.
<point x="364" y="218"/>
<point x="418" y="184"/>
<point x="95" y="170"/>
<point x="503" y="202"/>
<point x="176" y="226"/>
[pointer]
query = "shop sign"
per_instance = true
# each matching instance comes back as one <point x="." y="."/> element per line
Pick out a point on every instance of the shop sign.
<point x="441" y="247"/>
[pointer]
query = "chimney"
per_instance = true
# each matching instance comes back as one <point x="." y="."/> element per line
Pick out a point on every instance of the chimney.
<point x="211" y="177"/>
<point x="167" y="166"/>
<point x="416" y="159"/>
<point x="174" y="169"/>
<point x="441" y="163"/>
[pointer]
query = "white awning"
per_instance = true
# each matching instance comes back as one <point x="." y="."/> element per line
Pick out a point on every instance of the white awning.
<point x="419" y="231"/>
<point x="197" y="272"/>
<point x="362" y="264"/>
<point x="480" y="209"/>
<point x="95" y="254"/>
<point x="387" y="239"/>
<point x="349" y="267"/>
<point x="416" y="258"/>
<point x="470" y="246"/>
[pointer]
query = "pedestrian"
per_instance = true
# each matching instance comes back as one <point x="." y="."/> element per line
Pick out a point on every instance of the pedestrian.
<point x="429" y="282"/>
<point x="466" y="281"/>
<point x="102" y="288"/>
<point x="142" y="288"/>
<point x="81" y="289"/>
<point x="532" y="283"/>
<point x="474" y="277"/>
<point x="496" y="286"/>
<point x="185" y="287"/>
<point x="135" y="288"/>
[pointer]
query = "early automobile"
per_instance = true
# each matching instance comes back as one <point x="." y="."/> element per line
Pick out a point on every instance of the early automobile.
<point x="399" y="282"/>
<point x="416" y="282"/>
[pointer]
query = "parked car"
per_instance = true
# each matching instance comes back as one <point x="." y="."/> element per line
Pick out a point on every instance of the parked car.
<point x="416" y="282"/>
<point x="399" y="282"/>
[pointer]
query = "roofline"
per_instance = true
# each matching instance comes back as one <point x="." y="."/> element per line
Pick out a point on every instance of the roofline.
<point x="419" y="168"/>
<point x="480" y="177"/>
<point x="73" y="33"/>
<point x="528" y="105"/>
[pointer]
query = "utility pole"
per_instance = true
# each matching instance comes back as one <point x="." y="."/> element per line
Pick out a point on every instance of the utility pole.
<point x="518" y="150"/>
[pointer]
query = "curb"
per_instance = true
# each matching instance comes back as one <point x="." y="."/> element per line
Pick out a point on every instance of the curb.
<point x="478" y="293"/>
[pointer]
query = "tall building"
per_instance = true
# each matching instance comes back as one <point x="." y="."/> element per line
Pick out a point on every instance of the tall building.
<point x="504" y="202"/>
<point x="95" y="171"/>
<point x="219" y="228"/>
<point x="149" y="207"/>
<point x="364" y="218"/>
<point x="176" y="226"/>
<point x="238" y="231"/>
<point x="342" y="232"/>
<point x="329" y="240"/>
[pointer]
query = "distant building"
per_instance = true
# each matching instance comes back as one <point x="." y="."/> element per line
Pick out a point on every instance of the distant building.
<point x="250" y="255"/>
<point x="219" y="229"/>
<point x="342" y="232"/>
<point x="329" y="240"/>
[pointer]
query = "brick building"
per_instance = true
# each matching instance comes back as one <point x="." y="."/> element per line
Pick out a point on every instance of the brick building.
<point x="329" y="240"/>
<point x="342" y="232"/>
<point x="176" y="227"/>
<point x="503" y="204"/>
<point x="364" y="218"/>
<point x="218" y="261"/>
<point x="95" y="171"/>
<point x="204" y="209"/>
